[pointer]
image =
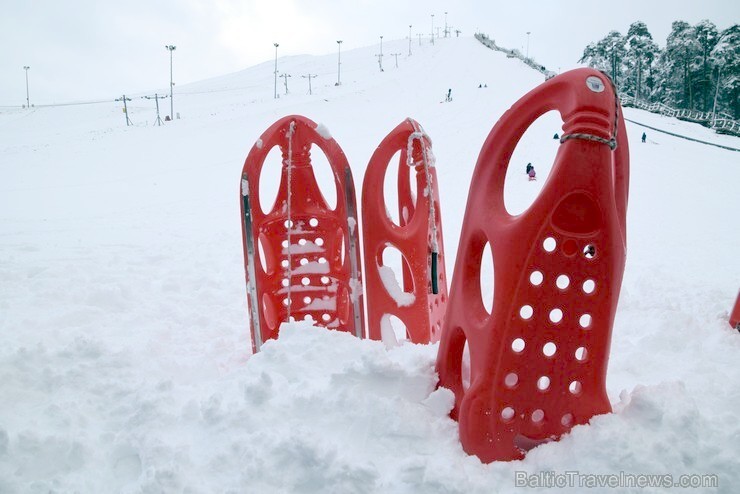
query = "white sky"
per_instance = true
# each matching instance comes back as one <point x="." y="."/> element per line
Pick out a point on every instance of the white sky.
<point x="91" y="49"/>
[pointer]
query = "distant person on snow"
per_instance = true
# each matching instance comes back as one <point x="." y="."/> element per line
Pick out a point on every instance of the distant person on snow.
<point x="529" y="167"/>
<point x="449" y="95"/>
<point x="556" y="136"/>
<point x="644" y="136"/>
<point x="532" y="174"/>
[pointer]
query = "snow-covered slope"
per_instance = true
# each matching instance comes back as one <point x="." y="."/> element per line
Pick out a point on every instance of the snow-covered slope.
<point x="125" y="358"/>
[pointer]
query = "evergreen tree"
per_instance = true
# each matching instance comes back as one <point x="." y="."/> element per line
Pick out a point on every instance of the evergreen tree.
<point x="726" y="73"/>
<point x="698" y="69"/>
<point x="681" y="48"/>
<point x="641" y="53"/>
<point x="707" y="36"/>
<point x="606" y="55"/>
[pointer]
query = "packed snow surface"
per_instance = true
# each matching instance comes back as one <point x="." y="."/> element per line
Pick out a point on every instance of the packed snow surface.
<point x="125" y="359"/>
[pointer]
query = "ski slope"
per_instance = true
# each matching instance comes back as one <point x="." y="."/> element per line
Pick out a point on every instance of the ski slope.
<point x="125" y="359"/>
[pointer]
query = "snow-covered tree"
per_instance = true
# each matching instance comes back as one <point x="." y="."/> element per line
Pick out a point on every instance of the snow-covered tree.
<point x="698" y="66"/>
<point x="706" y="35"/>
<point x="641" y="53"/>
<point x="681" y="49"/>
<point x="726" y="72"/>
<point x="607" y="55"/>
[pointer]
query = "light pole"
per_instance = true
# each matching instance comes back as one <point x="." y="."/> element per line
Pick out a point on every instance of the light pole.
<point x="276" y="47"/>
<point x="339" y="61"/>
<point x="432" y="29"/>
<point x="309" y="76"/>
<point x="395" y="55"/>
<point x="285" y="78"/>
<point x="28" y="100"/>
<point x="380" y="55"/>
<point x="171" y="48"/>
<point x="528" y="33"/>
<point x="409" y="39"/>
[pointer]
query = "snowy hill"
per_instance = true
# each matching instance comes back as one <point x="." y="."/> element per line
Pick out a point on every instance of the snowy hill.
<point x="125" y="359"/>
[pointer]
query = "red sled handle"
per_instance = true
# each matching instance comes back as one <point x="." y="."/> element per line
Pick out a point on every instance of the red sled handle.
<point x="306" y="132"/>
<point x="397" y="140"/>
<point x="592" y="113"/>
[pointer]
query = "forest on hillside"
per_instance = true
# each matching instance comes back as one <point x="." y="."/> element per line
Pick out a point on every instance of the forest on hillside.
<point x="698" y="69"/>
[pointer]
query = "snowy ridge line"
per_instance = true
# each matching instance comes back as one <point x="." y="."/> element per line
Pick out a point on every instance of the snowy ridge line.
<point x="488" y="42"/>
<point x="729" y="148"/>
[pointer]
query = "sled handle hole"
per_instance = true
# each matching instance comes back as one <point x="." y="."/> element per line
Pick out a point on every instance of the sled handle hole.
<point x="543" y="383"/>
<point x="518" y="345"/>
<point x="589" y="286"/>
<point x="562" y="281"/>
<point x="556" y="315"/>
<point x="536" y="278"/>
<point x="549" y="349"/>
<point x="511" y="380"/>
<point x="549" y="244"/>
<point x="585" y="321"/>
<point x="575" y="388"/>
<point x="581" y="354"/>
<point x="589" y="251"/>
<point x="507" y="414"/>
<point x="538" y="416"/>
<point x="526" y="312"/>
<point x="566" y="420"/>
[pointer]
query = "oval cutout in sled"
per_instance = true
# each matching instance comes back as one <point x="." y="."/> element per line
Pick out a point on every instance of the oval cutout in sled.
<point x="537" y="147"/>
<point x="390" y="189"/>
<point x="486" y="278"/>
<point x="269" y="181"/>
<point x="324" y="176"/>
<point x="392" y="262"/>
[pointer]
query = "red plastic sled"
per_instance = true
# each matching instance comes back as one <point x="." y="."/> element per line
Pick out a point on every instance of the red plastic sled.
<point x="538" y="361"/>
<point x="735" y="315"/>
<point x="301" y="258"/>
<point x="420" y="304"/>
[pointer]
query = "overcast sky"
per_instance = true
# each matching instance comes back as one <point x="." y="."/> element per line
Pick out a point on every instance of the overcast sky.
<point x="95" y="49"/>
